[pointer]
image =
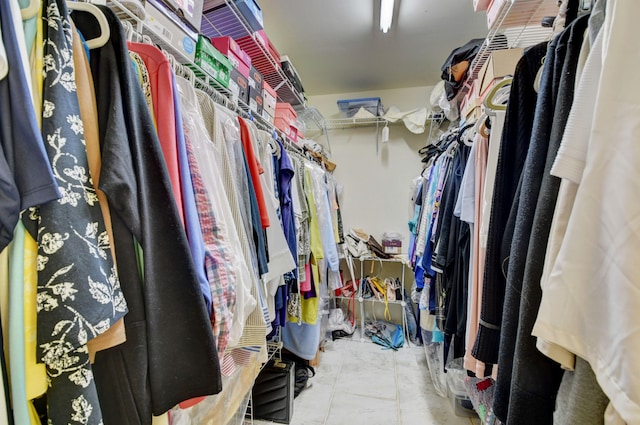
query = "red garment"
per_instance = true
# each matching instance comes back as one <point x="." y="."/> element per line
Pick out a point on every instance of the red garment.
<point x="161" y="79"/>
<point x="255" y="169"/>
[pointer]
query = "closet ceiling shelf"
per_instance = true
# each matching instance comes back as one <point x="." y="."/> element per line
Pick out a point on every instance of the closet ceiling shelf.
<point x="346" y="123"/>
<point x="200" y="78"/>
<point x="233" y="24"/>
<point x="517" y="24"/>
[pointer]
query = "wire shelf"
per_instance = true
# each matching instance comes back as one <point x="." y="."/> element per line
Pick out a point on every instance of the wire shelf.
<point x="224" y="19"/>
<point x="517" y="24"/>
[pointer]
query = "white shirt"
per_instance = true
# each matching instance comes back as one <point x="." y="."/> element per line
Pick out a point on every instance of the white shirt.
<point x="592" y="295"/>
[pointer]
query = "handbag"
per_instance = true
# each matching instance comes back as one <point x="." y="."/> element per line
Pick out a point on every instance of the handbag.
<point x="273" y="392"/>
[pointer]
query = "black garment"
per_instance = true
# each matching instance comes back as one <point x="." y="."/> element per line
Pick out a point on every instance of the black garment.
<point x="452" y="255"/>
<point x="460" y="54"/>
<point x="522" y="229"/>
<point x="514" y="144"/>
<point x="536" y="378"/>
<point x="170" y="354"/>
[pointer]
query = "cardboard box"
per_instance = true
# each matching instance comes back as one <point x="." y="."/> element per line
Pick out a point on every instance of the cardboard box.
<point x="500" y="64"/>
<point x="255" y="80"/>
<point x="481" y="5"/>
<point x="286" y="112"/>
<point x="228" y="47"/>
<point x="267" y="117"/>
<point x="218" y="11"/>
<point x="190" y="11"/>
<point x="470" y="107"/>
<point x="255" y="100"/>
<point x="291" y="73"/>
<point x="212" y="61"/>
<point x="493" y="11"/>
<point x="171" y="29"/>
<point x="269" y="100"/>
<point x="239" y="85"/>
<point x="283" y="125"/>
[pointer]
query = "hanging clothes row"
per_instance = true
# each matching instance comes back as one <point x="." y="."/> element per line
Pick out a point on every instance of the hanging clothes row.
<point x="163" y="238"/>
<point x="534" y="302"/>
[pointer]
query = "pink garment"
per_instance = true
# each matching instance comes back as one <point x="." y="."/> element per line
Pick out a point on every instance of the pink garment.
<point x="305" y="286"/>
<point x="161" y="80"/>
<point x="477" y="271"/>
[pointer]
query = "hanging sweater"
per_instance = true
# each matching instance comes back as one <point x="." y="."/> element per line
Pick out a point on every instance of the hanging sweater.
<point x="513" y="151"/>
<point x="536" y="378"/>
<point x="170" y="354"/>
<point x="591" y="292"/>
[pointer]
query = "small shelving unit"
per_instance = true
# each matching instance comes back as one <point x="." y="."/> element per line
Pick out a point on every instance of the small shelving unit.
<point x="367" y="306"/>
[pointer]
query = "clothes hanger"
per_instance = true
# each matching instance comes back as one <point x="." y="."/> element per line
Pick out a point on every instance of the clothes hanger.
<point x="32" y="10"/>
<point x="491" y="96"/>
<point x="105" y="32"/>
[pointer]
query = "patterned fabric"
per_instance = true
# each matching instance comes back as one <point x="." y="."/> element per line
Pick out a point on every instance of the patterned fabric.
<point x="217" y="260"/>
<point x="79" y="294"/>
<point x="145" y="83"/>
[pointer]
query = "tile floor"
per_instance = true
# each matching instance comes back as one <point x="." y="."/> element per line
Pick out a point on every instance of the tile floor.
<point x="360" y="383"/>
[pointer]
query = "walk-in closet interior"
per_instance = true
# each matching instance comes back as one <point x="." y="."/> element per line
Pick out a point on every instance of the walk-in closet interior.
<point x="329" y="212"/>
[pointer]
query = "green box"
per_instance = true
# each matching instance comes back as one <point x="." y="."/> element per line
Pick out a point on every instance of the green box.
<point x="212" y="61"/>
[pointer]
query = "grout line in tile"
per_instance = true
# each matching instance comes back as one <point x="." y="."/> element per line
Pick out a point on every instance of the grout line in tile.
<point x="395" y="374"/>
<point x="335" y="382"/>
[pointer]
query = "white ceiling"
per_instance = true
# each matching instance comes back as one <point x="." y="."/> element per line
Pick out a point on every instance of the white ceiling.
<point x="337" y="47"/>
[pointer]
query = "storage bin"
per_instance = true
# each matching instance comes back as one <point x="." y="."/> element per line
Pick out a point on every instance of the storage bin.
<point x="460" y="401"/>
<point x="349" y="107"/>
<point x="434" y="352"/>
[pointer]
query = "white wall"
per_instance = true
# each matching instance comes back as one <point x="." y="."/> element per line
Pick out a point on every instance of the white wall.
<point x="376" y="186"/>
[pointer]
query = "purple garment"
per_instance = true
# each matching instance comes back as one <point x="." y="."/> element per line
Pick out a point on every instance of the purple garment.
<point x="285" y="175"/>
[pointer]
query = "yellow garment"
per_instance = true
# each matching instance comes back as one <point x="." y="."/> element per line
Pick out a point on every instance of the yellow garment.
<point x="314" y="227"/>
<point x="35" y="373"/>
<point x="115" y="335"/>
<point x="310" y="305"/>
<point x="160" y="420"/>
<point x="36" y="59"/>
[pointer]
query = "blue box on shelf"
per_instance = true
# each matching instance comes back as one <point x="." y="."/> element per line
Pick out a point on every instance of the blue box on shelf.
<point x="349" y="107"/>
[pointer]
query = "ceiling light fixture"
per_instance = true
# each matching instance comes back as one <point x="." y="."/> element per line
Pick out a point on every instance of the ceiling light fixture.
<point x="386" y="15"/>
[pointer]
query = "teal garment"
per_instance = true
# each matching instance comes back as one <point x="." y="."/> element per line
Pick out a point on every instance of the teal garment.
<point x="29" y="27"/>
<point x="16" y="327"/>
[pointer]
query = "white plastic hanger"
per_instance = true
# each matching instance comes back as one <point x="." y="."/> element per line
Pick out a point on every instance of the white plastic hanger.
<point x="32" y="10"/>
<point x="105" y="32"/>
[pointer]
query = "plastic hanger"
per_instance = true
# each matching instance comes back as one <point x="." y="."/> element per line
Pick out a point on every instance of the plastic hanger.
<point x="105" y="32"/>
<point x="32" y="10"/>
<point x="491" y="96"/>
